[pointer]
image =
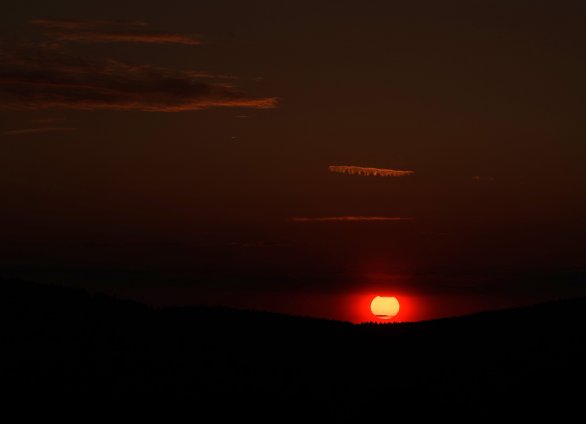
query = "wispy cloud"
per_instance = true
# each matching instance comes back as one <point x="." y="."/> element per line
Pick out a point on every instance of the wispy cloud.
<point x="25" y="131"/>
<point x="105" y="31"/>
<point x="348" y="218"/>
<point x="359" y="170"/>
<point x="46" y="76"/>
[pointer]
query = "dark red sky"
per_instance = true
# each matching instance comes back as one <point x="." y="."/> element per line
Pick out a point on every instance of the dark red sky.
<point x="179" y="152"/>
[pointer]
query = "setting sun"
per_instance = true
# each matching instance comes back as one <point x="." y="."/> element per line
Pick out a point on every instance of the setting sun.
<point x="385" y="307"/>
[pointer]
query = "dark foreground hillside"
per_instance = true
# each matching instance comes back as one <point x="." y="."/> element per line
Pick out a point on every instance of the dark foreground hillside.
<point x="67" y="346"/>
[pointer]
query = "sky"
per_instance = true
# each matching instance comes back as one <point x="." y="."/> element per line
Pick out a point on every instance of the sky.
<point x="296" y="156"/>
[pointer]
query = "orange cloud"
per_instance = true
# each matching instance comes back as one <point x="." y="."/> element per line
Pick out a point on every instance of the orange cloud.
<point x="103" y="31"/>
<point x="349" y="219"/>
<point x="359" y="170"/>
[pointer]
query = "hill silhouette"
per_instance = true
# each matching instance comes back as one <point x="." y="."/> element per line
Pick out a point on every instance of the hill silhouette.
<point x="66" y="345"/>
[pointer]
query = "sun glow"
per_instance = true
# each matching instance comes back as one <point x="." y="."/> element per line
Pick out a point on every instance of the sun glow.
<point x="384" y="307"/>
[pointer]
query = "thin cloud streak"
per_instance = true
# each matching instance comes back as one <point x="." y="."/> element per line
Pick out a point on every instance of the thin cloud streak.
<point x="349" y="219"/>
<point x="126" y="36"/>
<point x="38" y="130"/>
<point x="359" y="170"/>
<point x="84" y="24"/>
<point x="100" y="31"/>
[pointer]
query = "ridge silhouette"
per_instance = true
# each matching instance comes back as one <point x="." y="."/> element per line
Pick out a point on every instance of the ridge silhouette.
<point x="63" y="344"/>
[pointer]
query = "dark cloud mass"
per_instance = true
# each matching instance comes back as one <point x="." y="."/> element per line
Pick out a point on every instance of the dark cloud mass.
<point x="45" y="75"/>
